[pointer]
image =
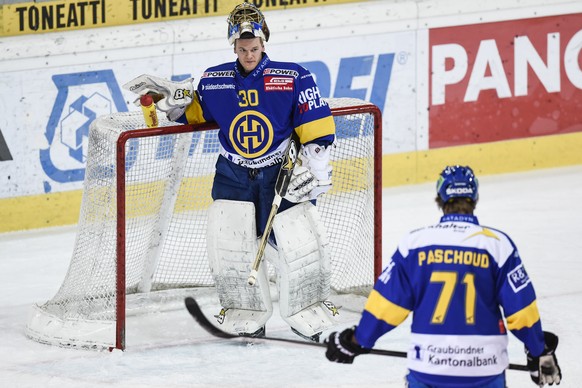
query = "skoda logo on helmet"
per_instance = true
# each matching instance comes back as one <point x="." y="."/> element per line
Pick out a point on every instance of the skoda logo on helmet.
<point x="457" y="181"/>
<point x="459" y="190"/>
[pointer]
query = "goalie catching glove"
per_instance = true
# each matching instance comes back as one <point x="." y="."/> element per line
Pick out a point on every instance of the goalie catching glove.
<point x="312" y="174"/>
<point x="341" y="348"/>
<point x="544" y="369"/>
<point x="176" y="95"/>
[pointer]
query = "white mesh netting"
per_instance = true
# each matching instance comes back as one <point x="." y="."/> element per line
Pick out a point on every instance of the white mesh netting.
<point x="167" y="191"/>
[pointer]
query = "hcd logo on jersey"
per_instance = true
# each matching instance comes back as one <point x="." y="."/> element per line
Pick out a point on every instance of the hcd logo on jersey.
<point x="80" y="99"/>
<point x="251" y="134"/>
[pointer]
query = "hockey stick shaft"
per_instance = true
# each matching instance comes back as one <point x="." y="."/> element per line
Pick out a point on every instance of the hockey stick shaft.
<point x="283" y="179"/>
<point x="198" y="315"/>
<point x="263" y="243"/>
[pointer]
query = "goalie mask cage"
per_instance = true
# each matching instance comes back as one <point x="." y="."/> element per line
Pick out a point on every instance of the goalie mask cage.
<point x="142" y="225"/>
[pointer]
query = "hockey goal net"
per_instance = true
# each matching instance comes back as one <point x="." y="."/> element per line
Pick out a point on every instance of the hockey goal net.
<point x="142" y="226"/>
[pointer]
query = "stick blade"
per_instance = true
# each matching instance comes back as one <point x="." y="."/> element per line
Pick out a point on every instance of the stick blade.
<point x="198" y="315"/>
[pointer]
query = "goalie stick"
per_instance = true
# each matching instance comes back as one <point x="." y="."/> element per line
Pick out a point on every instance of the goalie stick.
<point x="281" y="186"/>
<point x="198" y="315"/>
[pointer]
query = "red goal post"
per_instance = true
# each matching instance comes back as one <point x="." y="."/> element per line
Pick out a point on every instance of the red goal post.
<point x="142" y="225"/>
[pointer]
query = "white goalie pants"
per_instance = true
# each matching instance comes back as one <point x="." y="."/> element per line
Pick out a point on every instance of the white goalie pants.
<point x="303" y="269"/>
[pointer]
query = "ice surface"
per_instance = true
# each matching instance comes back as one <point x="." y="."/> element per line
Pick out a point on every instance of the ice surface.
<point x="540" y="210"/>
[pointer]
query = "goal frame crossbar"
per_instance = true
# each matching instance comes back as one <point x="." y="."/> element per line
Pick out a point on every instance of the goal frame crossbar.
<point x="180" y="129"/>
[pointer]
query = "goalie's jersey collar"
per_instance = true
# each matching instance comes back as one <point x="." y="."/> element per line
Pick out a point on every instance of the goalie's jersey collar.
<point x="460" y="218"/>
<point x="257" y="72"/>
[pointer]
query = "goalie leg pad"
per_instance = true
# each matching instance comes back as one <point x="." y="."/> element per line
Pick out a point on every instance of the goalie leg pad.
<point x="303" y="269"/>
<point x="232" y="247"/>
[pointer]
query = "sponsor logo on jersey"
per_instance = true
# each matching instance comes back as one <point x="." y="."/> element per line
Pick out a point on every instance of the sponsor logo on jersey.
<point x="218" y="74"/>
<point x="464" y="355"/>
<point x="278" y="84"/>
<point x="264" y="161"/>
<point x="217" y="86"/>
<point x="289" y="72"/>
<point x="417" y="353"/>
<point x="260" y="67"/>
<point x="463" y="362"/>
<point x="309" y="99"/>
<point x="385" y="275"/>
<point x="449" y="225"/>
<point x="518" y="278"/>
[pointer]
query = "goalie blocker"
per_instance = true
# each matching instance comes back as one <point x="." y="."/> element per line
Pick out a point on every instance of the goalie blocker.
<point x="302" y="266"/>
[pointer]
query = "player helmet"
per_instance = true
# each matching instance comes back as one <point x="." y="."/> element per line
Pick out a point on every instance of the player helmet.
<point x="457" y="182"/>
<point x="246" y="17"/>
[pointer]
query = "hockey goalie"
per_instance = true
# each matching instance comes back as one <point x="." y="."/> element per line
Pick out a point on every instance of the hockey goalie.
<point x="258" y="104"/>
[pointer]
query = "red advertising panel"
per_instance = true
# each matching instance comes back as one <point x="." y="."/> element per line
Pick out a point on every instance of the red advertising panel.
<point x="505" y="80"/>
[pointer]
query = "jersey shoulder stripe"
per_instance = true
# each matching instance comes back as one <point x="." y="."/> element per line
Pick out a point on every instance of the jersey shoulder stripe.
<point x="384" y="310"/>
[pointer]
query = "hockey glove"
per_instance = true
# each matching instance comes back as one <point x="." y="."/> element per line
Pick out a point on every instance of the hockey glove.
<point x="176" y="95"/>
<point x="312" y="174"/>
<point x="340" y="347"/>
<point x="544" y="369"/>
<point x="301" y="184"/>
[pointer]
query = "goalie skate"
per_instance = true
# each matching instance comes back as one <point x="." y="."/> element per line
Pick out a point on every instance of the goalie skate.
<point x="245" y="323"/>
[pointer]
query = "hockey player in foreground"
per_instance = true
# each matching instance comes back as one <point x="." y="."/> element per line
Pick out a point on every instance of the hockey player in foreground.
<point x="258" y="103"/>
<point x="455" y="277"/>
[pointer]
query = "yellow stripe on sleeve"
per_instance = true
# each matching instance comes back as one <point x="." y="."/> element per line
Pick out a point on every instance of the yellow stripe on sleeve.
<point x="526" y="317"/>
<point x="315" y="129"/>
<point x="384" y="310"/>
<point x="194" y="112"/>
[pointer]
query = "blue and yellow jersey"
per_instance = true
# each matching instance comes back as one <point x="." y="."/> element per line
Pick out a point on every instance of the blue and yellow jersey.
<point x="257" y="113"/>
<point x="455" y="277"/>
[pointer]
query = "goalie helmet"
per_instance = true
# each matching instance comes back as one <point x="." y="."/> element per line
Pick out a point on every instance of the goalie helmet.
<point x="245" y="18"/>
<point x="458" y="182"/>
